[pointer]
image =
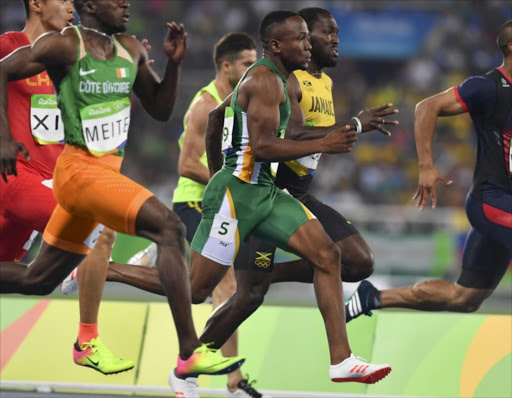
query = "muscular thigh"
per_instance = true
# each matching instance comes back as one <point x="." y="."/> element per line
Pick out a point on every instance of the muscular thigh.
<point x="484" y="261"/>
<point x="286" y="216"/>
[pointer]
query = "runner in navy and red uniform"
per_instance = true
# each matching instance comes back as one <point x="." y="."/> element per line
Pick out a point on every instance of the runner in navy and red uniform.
<point x="488" y="249"/>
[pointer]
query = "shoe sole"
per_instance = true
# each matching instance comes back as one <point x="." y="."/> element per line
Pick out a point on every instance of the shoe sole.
<point x="105" y="373"/>
<point x="371" y="378"/>
<point x="224" y="371"/>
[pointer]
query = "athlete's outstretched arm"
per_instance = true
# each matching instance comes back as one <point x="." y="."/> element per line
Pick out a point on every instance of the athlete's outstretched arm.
<point x="26" y="62"/>
<point x="213" y="139"/>
<point x="371" y="118"/>
<point x="426" y="114"/>
<point x="159" y="96"/>
<point x="261" y="94"/>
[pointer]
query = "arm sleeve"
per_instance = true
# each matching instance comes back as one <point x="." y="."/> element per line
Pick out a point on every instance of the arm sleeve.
<point x="477" y="94"/>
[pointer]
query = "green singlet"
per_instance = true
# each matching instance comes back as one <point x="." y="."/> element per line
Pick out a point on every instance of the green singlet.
<point x="236" y="145"/>
<point x="94" y="99"/>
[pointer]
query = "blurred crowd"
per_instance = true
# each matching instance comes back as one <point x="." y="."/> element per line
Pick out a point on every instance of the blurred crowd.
<point x="381" y="170"/>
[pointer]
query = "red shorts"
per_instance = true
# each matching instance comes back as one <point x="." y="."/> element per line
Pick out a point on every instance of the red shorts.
<point x="91" y="190"/>
<point x="26" y="205"/>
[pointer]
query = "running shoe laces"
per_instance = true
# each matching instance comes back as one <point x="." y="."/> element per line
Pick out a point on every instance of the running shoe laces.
<point x="205" y="360"/>
<point x="94" y="354"/>
<point x="246" y="389"/>
<point x="362" y="301"/>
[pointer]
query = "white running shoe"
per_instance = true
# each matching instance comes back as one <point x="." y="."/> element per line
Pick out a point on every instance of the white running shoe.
<point x="146" y="257"/>
<point x="358" y="370"/>
<point x="187" y="388"/>
<point x="70" y="284"/>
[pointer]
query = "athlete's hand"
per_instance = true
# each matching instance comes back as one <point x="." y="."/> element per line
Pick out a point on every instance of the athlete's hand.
<point x="175" y="46"/>
<point x="8" y="154"/>
<point x="340" y="140"/>
<point x="147" y="46"/>
<point x="374" y="118"/>
<point x="427" y="180"/>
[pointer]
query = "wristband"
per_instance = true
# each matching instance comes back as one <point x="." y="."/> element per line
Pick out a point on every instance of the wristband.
<point x="359" y="126"/>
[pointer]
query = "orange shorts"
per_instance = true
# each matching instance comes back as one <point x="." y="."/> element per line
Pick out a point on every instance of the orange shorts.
<point x="91" y="190"/>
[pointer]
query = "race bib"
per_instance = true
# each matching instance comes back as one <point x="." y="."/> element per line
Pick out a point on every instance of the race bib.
<point x="224" y="228"/>
<point x="105" y="126"/>
<point x="45" y="119"/>
<point x="93" y="237"/>
<point x="310" y="162"/>
<point x="227" y="131"/>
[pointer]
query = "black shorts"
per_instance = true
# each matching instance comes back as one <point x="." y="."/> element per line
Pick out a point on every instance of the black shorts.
<point x="190" y="214"/>
<point x="257" y="255"/>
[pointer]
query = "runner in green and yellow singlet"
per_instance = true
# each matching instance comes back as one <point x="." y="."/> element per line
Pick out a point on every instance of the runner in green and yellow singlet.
<point x="251" y="282"/>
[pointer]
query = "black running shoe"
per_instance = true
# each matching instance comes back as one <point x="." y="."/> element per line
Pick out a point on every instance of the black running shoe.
<point x="245" y="389"/>
<point x="362" y="301"/>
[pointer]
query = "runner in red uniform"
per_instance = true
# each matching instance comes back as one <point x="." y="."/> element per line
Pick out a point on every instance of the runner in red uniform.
<point x="26" y="198"/>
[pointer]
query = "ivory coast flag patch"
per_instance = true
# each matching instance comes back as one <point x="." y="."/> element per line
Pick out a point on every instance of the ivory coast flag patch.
<point x="122" y="72"/>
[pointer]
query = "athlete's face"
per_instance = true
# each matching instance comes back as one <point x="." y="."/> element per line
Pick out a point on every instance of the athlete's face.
<point x="236" y="69"/>
<point x="294" y="44"/>
<point x="56" y="14"/>
<point x="324" y="40"/>
<point x="113" y="15"/>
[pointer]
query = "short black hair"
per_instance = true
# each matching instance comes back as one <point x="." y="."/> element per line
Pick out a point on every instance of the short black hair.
<point x="79" y="5"/>
<point x="229" y="47"/>
<point x="26" y="5"/>
<point x="270" y="22"/>
<point x="310" y="14"/>
<point x="505" y="37"/>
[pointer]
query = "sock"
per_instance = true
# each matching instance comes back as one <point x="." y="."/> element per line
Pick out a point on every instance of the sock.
<point x="87" y="332"/>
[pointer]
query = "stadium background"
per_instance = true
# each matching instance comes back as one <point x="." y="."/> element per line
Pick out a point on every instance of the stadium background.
<point x="396" y="51"/>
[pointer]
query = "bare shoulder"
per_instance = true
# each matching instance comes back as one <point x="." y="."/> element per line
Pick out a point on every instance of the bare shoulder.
<point x="56" y="46"/>
<point x="263" y="81"/>
<point x="131" y="43"/>
<point x="202" y="106"/>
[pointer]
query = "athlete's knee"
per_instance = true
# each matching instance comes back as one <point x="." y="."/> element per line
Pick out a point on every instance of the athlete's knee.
<point x="360" y="269"/>
<point x="200" y="291"/>
<point x="38" y="285"/>
<point x="249" y="300"/>
<point x="466" y="300"/>
<point x="107" y="238"/>
<point x="172" y="230"/>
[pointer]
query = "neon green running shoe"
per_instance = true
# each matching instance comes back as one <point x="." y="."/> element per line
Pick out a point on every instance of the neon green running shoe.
<point x="207" y="361"/>
<point x="95" y="355"/>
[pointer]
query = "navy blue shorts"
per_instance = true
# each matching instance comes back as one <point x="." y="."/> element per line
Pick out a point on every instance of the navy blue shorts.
<point x="488" y="250"/>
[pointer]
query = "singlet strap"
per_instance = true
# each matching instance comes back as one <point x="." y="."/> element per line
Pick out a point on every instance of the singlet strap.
<point x="122" y="52"/>
<point x="81" y="45"/>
